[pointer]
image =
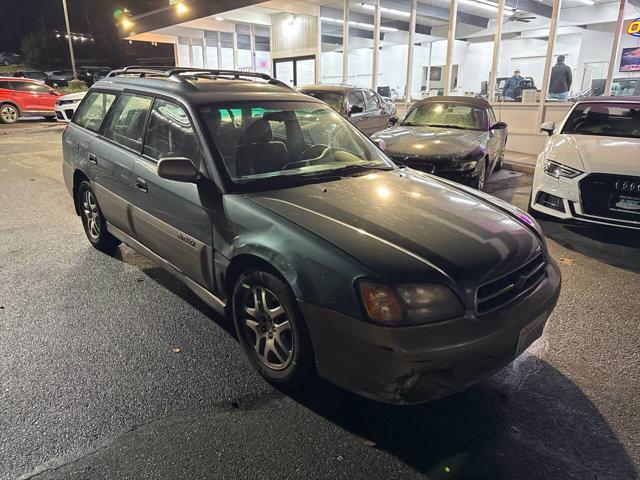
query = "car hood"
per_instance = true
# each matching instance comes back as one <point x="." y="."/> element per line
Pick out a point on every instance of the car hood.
<point x="587" y="153"/>
<point x="73" y="96"/>
<point x="431" y="142"/>
<point x="405" y="225"/>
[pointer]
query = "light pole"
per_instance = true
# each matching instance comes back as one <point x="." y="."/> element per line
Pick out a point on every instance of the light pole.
<point x="66" y="20"/>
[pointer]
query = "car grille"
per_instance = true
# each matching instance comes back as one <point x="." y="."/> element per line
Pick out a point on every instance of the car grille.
<point x="504" y="290"/>
<point x="413" y="161"/>
<point x="66" y="102"/>
<point x="606" y="195"/>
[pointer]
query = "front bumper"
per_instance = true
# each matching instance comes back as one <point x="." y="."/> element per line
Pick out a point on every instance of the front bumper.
<point x="570" y="209"/>
<point x="64" y="113"/>
<point x="416" y="364"/>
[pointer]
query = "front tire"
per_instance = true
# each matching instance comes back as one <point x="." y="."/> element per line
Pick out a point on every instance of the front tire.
<point x="271" y="329"/>
<point x="94" y="223"/>
<point x="479" y="182"/>
<point x="9" y="113"/>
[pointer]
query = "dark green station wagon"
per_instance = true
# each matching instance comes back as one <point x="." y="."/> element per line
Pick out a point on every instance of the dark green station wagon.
<point x="330" y="259"/>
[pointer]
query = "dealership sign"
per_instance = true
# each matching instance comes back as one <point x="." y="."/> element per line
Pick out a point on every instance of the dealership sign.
<point x="634" y="28"/>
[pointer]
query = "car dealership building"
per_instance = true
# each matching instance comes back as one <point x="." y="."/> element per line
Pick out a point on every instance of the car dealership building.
<point x="409" y="49"/>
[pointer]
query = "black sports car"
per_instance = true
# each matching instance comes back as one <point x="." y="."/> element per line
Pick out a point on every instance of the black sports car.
<point x="452" y="137"/>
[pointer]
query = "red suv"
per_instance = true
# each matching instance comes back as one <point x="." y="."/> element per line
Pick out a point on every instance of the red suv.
<point x="21" y="97"/>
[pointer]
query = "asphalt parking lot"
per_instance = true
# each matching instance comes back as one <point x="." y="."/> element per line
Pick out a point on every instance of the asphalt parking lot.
<point x="111" y="368"/>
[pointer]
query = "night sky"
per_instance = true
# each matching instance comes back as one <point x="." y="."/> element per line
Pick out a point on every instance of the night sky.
<point x="90" y="17"/>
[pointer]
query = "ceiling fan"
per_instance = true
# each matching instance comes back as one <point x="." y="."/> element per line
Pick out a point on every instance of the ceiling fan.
<point x="520" y="17"/>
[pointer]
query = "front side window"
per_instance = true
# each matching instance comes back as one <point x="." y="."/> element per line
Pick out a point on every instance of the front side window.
<point x="604" y="119"/>
<point x="354" y="97"/>
<point x="288" y="141"/>
<point x="446" y="115"/>
<point x="30" y="87"/>
<point x="370" y="99"/>
<point x="170" y="133"/>
<point x="93" y="110"/>
<point x="127" y="123"/>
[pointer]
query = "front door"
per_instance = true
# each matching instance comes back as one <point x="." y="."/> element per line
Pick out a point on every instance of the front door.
<point x="173" y="218"/>
<point x="295" y="71"/>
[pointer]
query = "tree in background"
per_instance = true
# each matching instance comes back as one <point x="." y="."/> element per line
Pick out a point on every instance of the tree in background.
<point x="41" y="49"/>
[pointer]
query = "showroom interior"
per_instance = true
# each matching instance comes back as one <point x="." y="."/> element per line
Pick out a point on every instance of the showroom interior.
<point x="409" y="49"/>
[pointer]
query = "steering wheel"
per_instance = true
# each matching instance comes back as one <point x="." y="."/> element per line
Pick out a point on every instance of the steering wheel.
<point x="310" y="154"/>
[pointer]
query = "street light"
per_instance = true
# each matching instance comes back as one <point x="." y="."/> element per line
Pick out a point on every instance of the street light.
<point x="66" y="20"/>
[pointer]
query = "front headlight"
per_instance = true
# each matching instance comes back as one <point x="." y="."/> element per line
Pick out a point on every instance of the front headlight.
<point x="557" y="170"/>
<point x="408" y="303"/>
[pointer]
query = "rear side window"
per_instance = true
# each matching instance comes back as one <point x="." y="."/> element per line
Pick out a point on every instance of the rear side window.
<point x="354" y="97"/>
<point x="170" y="133"/>
<point x="93" y="110"/>
<point x="127" y="123"/>
<point x="4" y="85"/>
<point x="30" y="87"/>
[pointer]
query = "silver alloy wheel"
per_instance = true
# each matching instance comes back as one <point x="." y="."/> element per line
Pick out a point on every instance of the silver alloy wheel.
<point x="268" y="328"/>
<point x="91" y="215"/>
<point x="9" y="114"/>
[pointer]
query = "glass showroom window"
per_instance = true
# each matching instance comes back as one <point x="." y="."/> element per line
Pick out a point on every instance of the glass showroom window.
<point x="262" y="48"/>
<point x="626" y="67"/>
<point x="394" y="52"/>
<point x="197" y="53"/>
<point x="361" y="22"/>
<point x="429" y="50"/>
<point x="243" y="33"/>
<point x="182" y="51"/>
<point x="582" y="49"/>
<point x="211" y="49"/>
<point x="332" y="42"/>
<point x="226" y="50"/>
<point x="523" y="52"/>
<point x="473" y="46"/>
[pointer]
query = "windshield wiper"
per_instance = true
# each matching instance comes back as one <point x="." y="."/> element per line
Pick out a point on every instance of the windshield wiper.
<point x="411" y="124"/>
<point x="358" y="167"/>
<point x="446" y="125"/>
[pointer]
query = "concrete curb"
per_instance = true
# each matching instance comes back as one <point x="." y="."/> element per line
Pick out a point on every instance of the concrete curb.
<point x="516" y="166"/>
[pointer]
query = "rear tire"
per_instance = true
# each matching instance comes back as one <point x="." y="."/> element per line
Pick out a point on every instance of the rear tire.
<point x="272" y="330"/>
<point x="94" y="223"/>
<point x="9" y="113"/>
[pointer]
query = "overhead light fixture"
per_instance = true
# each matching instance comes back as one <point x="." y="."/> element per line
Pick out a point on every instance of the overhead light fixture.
<point x="127" y="24"/>
<point x="390" y="11"/>
<point x="181" y="8"/>
<point x="218" y="19"/>
<point x="366" y="26"/>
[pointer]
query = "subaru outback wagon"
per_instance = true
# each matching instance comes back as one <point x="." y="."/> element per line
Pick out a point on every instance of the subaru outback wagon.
<point x="329" y="258"/>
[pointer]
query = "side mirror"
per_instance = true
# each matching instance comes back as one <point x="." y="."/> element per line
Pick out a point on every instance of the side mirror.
<point x="548" y="127"/>
<point x="179" y="169"/>
<point x="393" y="120"/>
<point x="355" y="109"/>
<point x="498" y="126"/>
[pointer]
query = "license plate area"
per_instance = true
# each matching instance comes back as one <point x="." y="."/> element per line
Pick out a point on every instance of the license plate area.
<point x="530" y="332"/>
<point x="628" y="204"/>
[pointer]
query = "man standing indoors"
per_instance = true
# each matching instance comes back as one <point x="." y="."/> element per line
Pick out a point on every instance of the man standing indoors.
<point x="511" y="84"/>
<point x="560" y="81"/>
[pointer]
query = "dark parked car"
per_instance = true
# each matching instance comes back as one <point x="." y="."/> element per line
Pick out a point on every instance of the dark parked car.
<point x="366" y="109"/>
<point x="9" y="58"/>
<point x="329" y="258"/>
<point x="452" y="137"/>
<point x="59" y="78"/>
<point x="32" y="75"/>
<point x="91" y="74"/>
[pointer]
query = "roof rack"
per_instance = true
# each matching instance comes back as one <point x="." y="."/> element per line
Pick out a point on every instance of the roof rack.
<point x="177" y="73"/>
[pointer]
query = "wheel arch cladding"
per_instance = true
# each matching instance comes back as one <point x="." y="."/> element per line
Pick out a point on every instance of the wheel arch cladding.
<point x="78" y="178"/>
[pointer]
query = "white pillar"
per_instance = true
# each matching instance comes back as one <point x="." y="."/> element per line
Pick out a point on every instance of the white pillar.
<point x="553" y="27"/>
<point x="376" y="48"/>
<point x="412" y="32"/>
<point x="497" y="40"/>
<point x="235" y="48"/>
<point x="451" y="38"/>
<point x="345" y="42"/>
<point x="615" y="47"/>
<point x="318" y="47"/>
<point x="252" y="40"/>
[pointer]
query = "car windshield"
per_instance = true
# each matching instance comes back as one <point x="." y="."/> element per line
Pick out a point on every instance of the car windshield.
<point x="446" y="115"/>
<point x="604" y="119"/>
<point x="333" y="99"/>
<point x="285" y="141"/>
<point x="36" y="75"/>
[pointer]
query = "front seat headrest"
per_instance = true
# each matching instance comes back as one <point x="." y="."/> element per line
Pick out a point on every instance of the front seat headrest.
<point x="258" y="132"/>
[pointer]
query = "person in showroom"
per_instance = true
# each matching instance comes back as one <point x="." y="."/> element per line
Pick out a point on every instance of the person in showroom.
<point x="511" y="84"/>
<point x="560" y="82"/>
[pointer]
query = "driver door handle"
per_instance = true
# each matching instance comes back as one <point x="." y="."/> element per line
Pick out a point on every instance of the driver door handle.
<point x="142" y="185"/>
<point x="93" y="158"/>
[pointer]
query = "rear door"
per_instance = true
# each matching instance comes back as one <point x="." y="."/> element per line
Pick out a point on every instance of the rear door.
<point x="172" y="218"/>
<point x="496" y="141"/>
<point x="113" y="155"/>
